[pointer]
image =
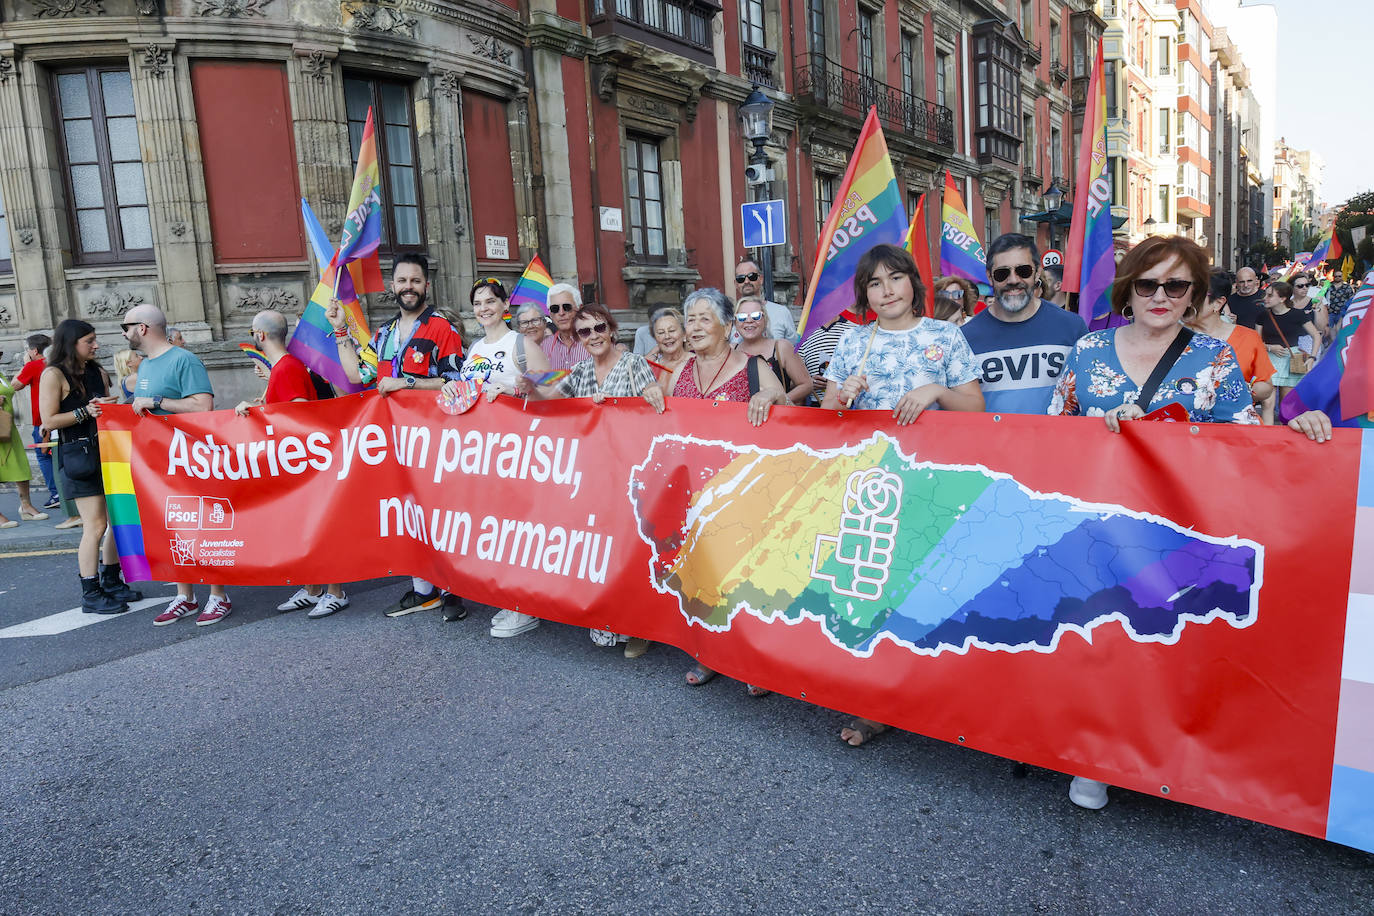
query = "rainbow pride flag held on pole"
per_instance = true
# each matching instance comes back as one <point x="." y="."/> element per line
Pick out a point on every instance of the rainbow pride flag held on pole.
<point x="1319" y="253"/>
<point x="354" y="269"/>
<point x="532" y="288"/>
<point x="1089" y="257"/>
<point x="1341" y="384"/>
<point x="868" y="211"/>
<point x="918" y="244"/>
<point x="961" y="254"/>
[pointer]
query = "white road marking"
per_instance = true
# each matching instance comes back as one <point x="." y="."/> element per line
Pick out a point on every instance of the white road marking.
<point x="65" y="621"/>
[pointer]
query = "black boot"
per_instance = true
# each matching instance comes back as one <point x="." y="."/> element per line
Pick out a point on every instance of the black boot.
<point x="94" y="600"/>
<point x="113" y="584"/>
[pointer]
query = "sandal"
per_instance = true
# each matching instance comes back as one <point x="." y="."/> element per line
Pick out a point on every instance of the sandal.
<point x="33" y="515"/>
<point x="636" y="647"/>
<point x="863" y="729"/>
<point x="756" y="691"/>
<point x="699" y="675"/>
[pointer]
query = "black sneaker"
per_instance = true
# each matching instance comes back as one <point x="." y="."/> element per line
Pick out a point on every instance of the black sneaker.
<point x="411" y="602"/>
<point x="52" y="503"/>
<point x="454" y="608"/>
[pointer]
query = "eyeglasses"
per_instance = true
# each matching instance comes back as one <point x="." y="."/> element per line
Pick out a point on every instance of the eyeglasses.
<point x="556" y="307"/>
<point x="749" y="316"/>
<point x="1301" y="285"/>
<point x="599" y="328"/>
<point x="952" y="293"/>
<point x="1174" y="289"/>
<point x="531" y="323"/>
<point x="1024" y="271"/>
<point x="751" y="277"/>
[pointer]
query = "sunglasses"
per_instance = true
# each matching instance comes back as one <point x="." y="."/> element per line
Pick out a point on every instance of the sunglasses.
<point x="1174" y="289"/>
<point x="486" y="281"/>
<point x="751" y="277"/>
<point x="599" y="328"/>
<point x="1024" y="271"/>
<point x="556" y="307"/>
<point x="131" y="324"/>
<point x="1301" y="285"/>
<point x="749" y="316"/>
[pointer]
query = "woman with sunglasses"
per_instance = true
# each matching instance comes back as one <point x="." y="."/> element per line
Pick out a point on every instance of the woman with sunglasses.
<point x="1307" y="301"/>
<point x="612" y="372"/>
<point x="751" y="321"/>
<point x="955" y="300"/>
<point x="1161" y="283"/>
<point x="670" y="333"/>
<point x="1283" y="326"/>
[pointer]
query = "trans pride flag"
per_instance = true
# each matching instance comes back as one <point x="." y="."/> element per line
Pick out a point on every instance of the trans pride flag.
<point x="961" y="254"/>
<point x="868" y="211"/>
<point x="1341" y="384"/>
<point x="352" y="270"/>
<point x="1089" y="258"/>
<point x="532" y="288"/>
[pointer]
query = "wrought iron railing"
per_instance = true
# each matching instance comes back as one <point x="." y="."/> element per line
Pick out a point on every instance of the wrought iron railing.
<point x="758" y="65"/>
<point x="831" y="86"/>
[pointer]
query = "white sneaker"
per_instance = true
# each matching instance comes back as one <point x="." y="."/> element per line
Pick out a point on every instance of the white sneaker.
<point x="1088" y="793"/>
<point x="327" y="605"/>
<point x="606" y="638"/>
<point x="298" y="602"/>
<point x="513" y="624"/>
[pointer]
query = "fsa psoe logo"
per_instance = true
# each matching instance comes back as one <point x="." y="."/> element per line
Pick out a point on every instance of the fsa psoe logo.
<point x="204" y="513"/>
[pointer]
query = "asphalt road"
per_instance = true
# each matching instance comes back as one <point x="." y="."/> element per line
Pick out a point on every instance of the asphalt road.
<point x="356" y="764"/>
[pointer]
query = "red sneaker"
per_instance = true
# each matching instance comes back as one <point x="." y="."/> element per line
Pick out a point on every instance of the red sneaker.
<point x="179" y="608"/>
<point x="216" y="609"/>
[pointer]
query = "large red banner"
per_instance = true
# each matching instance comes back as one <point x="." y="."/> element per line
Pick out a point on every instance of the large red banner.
<point x="1172" y="621"/>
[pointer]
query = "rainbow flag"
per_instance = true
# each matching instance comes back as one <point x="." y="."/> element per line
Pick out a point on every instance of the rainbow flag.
<point x="116" y="449"/>
<point x="1089" y="257"/>
<point x="1341" y="384"/>
<point x="961" y="254"/>
<point x="255" y="354"/>
<point x="868" y="211"/>
<point x="918" y="244"/>
<point x="1319" y="253"/>
<point x="532" y="288"/>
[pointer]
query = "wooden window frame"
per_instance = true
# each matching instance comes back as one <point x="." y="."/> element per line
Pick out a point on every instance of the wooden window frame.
<point x="825" y="182"/>
<point x="389" y="247"/>
<point x="635" y="141"/>
<point x="117" y="253"/>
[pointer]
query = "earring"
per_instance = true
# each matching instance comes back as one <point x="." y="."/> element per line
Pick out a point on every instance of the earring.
<point x="1128" y="313"/>
<point x="1190" y="313"/>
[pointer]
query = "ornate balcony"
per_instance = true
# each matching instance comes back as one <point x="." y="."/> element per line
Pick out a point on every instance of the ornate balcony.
<point x="825" y="84"/>
<point x="758" y="66"/>
<point x="1031" y="56"/>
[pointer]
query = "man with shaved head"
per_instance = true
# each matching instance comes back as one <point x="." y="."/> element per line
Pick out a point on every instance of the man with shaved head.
<point x="171" y="380"/>
<point x="1246" y="302"/>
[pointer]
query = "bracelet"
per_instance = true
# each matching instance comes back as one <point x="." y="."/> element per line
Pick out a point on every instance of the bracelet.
<point x="81" y="414"/>
<point x="341" y="333"/>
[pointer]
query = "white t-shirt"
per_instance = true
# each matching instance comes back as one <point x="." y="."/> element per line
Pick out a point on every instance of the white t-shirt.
<point x="493" y="362"/>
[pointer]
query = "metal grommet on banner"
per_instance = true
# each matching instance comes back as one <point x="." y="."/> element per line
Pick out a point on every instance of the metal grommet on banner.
<point x="1193" y="430"/>
<point x="803" y="694"/>
<point x="961" y="739"/>
<point x="997" y="418"/>
<point x="1164" y="790"/>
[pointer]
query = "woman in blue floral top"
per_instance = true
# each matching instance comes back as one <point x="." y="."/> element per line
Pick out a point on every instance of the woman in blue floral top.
<point x="1159" y="284"/>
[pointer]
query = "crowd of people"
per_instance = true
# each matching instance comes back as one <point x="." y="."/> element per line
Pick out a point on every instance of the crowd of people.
<point x="1187" y="342"/>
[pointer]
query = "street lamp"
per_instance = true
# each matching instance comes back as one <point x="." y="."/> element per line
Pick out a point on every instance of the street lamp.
<point x="756" y="124"/>
<point x="1054" y="199"/>
<point x="1149" y="226"/>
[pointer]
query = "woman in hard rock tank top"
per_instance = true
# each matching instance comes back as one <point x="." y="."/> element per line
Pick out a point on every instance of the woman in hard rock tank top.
<point x="719" y="372"/>
<point x="71" y="394"/>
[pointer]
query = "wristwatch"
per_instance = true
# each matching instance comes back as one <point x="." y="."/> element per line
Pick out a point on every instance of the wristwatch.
<point x="157" y="402"/>
<point x="410" y="381"/>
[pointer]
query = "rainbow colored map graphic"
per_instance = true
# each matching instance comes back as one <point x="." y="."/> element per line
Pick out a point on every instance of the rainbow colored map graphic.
<point x="876" y="545"/>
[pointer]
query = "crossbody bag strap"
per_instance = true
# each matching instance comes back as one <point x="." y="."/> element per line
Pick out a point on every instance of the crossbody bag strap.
<point x="1282" y="336"/>
<point x="753" y="366"/>
<point x="1166" y="362"/>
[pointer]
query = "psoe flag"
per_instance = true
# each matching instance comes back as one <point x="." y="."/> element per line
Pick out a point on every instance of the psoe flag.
<point x="961" y="254"/>
<point x="868" y="211"/>
<point x="1089" y="258"/>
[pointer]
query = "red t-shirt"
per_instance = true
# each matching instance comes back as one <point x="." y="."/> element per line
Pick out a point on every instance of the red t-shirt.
<point x="288" y="381"/>
<point x="29" y="376"/>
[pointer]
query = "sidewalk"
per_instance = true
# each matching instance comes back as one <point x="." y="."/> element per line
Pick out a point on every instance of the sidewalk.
<point x="33" y="535"/>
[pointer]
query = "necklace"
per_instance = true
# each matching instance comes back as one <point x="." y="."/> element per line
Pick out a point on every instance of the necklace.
<point x="696" y="371"/>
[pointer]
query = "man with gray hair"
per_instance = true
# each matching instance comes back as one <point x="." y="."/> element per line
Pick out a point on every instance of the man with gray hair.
<point x="171" y="380"/>
<point x="562" y="347"/>
<point x="174" y="336"/>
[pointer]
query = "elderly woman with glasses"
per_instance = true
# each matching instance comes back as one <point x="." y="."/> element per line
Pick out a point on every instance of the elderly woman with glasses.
<point x="531" y="322"/>
<point x="1160" y="284"/>
<point x="751" y="321"/>
<point x="669" y="331"/>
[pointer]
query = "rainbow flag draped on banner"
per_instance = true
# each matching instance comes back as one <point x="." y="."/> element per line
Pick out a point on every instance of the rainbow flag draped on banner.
<point x="918" y="244"/>
<point x="868" y="211"/>
<point x="1341" y="384"/>
<point x="1089" y="257"/>
<point x="354" y="269"/>
<point x="532" y="288"/>
<point x="961" y="254"/>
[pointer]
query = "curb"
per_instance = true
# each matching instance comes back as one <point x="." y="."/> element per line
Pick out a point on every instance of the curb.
<point x="43" y="540"/>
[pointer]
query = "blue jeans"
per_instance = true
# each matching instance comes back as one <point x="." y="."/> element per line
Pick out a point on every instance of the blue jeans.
<point x="45" y="463"/>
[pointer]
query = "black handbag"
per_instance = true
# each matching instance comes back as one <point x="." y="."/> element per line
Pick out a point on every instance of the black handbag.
<point x="80" y="458"/>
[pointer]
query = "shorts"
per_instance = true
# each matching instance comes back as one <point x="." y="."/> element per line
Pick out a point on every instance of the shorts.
<point x="73" y="488"/>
